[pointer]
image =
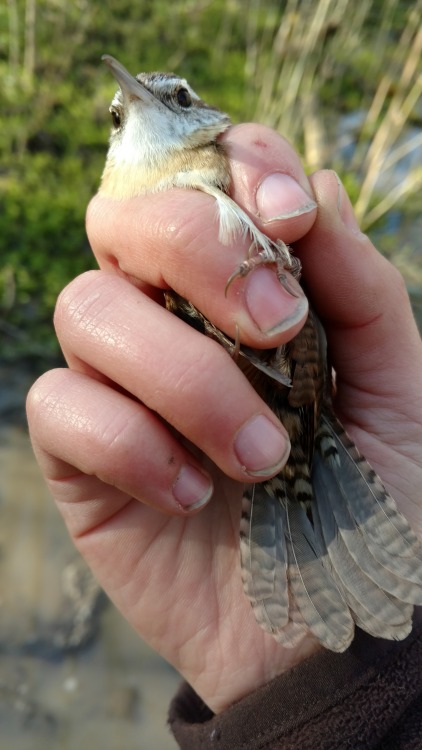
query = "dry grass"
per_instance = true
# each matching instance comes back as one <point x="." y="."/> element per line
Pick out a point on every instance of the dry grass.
<point x="306" y="47"/>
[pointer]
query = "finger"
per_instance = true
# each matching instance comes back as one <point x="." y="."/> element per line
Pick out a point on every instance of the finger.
<point x="82" y="427"/>
<point x="104" y="323"/>
<point x="171" y="240"/>
<point x="363" y="303"/>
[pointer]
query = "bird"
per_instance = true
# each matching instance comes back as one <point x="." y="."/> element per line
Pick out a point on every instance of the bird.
<point x="323" y="546"/>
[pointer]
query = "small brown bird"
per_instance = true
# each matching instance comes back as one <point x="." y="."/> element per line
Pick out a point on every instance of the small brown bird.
<point x="323" y="545"/>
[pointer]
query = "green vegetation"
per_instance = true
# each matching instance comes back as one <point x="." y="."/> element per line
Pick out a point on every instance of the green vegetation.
<point x="296" y="65"/>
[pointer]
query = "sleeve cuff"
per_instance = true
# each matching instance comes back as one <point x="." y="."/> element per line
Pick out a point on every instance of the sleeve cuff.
<point x="361" y="698"/>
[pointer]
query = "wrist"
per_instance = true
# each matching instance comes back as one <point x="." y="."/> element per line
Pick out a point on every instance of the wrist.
<point x="253" y="664"/>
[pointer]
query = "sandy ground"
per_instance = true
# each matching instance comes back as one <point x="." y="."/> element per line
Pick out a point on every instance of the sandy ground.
<point x="112" y="694"/>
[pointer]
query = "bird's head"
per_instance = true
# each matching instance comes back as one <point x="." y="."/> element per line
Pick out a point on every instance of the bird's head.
<point x="156" y="115"/>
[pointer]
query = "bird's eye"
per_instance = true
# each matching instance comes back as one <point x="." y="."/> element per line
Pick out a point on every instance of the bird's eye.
<point x="184" y="98"/>
<point x="115" y="116"/>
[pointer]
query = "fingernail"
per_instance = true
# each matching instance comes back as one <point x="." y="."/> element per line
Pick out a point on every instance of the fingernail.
<point x="192" y="488"/>
<point x="269" y="303"/>
<point x="261" y="447"/>
<point x="345" y="208"/>
<point x="279" y="196"/>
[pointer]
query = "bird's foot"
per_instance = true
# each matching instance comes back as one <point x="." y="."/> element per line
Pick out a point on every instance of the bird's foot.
<point x="286" y="265"/>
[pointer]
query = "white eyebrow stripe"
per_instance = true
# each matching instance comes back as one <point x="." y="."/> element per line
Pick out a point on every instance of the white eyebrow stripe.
<point x="163" y="83"/>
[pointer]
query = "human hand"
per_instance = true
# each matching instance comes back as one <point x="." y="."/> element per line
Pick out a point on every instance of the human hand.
<point x="111" y="433"/>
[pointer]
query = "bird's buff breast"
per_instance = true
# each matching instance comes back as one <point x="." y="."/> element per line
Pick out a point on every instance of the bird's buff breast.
<point x="125" y="179"/>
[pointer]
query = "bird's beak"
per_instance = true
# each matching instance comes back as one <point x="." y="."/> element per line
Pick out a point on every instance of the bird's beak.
<point x="131" y="88"/>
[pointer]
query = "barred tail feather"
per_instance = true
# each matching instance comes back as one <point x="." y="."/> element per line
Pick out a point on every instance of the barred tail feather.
<point x="372" y="608"/>
<point x="283" y="573"/>
<point x="317" y="597"/>
<point x="365" y="534"/>
<point x="373" y="509"/>
<point x="374" y="625"/>
<point x="264" y="566"/>
<point x="264" y="558"/>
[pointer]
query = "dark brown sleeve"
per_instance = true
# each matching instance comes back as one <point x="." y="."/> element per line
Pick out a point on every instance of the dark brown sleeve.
<point x="368" y="697"/>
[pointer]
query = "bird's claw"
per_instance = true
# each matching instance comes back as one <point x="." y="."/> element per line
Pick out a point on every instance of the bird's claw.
<point x="286" y="265"/>
<point x="246" y="267"/>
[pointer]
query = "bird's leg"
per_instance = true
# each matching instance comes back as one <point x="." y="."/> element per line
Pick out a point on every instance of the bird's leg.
<point x="235" y="353"/>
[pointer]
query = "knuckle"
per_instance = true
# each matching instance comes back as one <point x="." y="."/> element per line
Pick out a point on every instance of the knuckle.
<point x="81" y="300"/>
<point x="398" y="283"/>
<point x="95" y="219"/>
<point x="114" y="436"/>
<point x="387" y="278"/>
<point x="209" y="362"/>
<point x="43" y="396"/>
<point x="185" y="233"/>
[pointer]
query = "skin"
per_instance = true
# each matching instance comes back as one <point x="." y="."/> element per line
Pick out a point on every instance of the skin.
<point x="144" y="395"/>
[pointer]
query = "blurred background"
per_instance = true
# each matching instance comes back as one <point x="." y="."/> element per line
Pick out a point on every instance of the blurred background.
<point x="341" y="80"/>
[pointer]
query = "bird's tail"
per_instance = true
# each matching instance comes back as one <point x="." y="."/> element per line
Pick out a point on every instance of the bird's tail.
<point x="348" y="556"/>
